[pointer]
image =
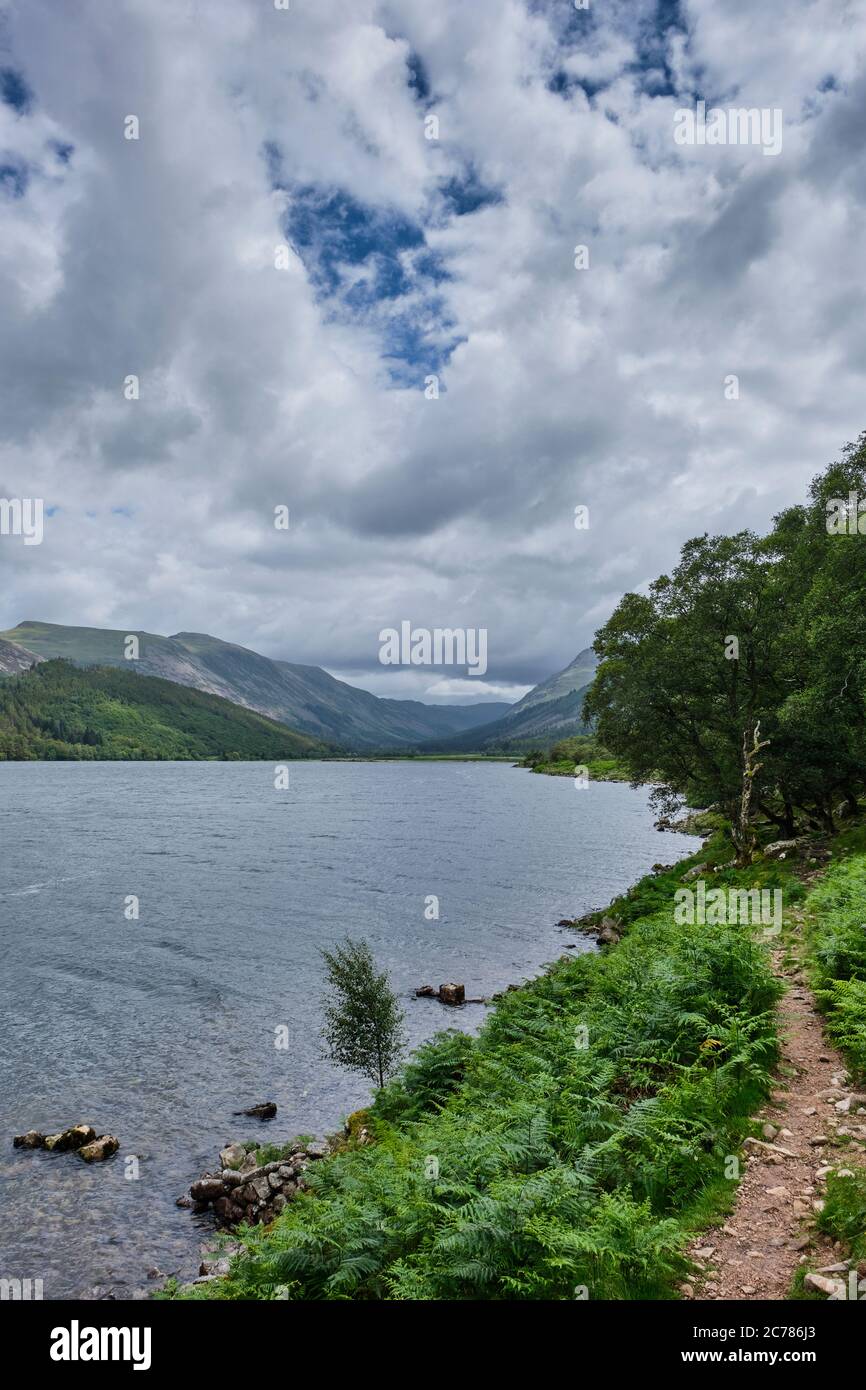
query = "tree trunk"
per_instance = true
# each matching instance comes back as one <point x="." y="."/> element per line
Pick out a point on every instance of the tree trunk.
<point x="743" y="830"/>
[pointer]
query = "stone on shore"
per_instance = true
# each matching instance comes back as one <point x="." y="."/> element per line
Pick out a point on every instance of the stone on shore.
<point x="609" y="934"/>
<point x="232" y="1156"/>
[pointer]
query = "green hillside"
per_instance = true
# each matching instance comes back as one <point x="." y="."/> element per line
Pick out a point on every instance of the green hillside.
<point x="57" y="711"/>
<point x="305" y="698"/>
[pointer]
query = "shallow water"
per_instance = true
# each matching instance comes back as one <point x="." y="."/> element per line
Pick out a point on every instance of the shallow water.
<point x="157" y="1030"/>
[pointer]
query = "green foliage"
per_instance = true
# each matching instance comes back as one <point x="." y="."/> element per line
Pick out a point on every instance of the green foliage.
<point x="837" y="940"/>
<point x="431" y="1075"/>
<point x="57" y="711"/>
<point x="580" y="751"/>
<point x="558" y="1150"/>
<point x="844" y="1213"/>
<point x="363" y="1022"/>
<point x="667" y="700"/>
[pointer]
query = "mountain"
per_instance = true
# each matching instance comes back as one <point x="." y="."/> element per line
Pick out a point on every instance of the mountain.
<point x="549" y="712"/>
<point x="305" y="698"/>
<point x="14" y="659"/>
<point x="61" y="711"/>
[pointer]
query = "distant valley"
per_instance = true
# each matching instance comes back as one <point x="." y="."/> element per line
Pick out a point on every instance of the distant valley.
<point x="310" y="701"/>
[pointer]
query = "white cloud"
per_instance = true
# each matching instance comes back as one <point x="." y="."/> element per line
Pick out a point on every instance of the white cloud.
<point x="602" y="387"/>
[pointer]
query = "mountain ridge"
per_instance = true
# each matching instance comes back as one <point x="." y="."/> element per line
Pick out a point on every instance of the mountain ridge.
<point x="305" y="698"/>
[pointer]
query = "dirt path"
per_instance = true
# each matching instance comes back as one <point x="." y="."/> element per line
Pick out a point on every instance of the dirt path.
<point x="757" y="1251"/>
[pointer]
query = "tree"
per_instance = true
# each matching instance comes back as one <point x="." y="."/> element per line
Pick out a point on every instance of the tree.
<point x="749" y="633"/>
<point x="363" y="1022"/>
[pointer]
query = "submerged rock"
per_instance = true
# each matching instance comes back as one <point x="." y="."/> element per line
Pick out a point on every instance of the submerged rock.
<point x="74" y="1138"/>
<point x="452" y="994"/>
<point x="31" y="1140"/>
<point x="99" y="1149"/>
<point x="266" y="1111"/>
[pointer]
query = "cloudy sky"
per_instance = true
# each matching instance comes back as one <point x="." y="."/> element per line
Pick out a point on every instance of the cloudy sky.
<point x="284" y="258"/>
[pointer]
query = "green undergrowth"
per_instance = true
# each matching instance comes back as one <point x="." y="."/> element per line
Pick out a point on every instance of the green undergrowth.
<point x="836" y="945"/>
<point x="565" y="1152"/>
<point x="583" y="750"/>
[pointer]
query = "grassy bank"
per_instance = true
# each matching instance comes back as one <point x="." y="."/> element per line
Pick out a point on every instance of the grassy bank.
<point x="565" y="757"/>
<point x="573" y="1145"/>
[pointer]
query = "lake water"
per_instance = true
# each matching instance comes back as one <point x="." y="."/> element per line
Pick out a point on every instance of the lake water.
<point x="157" y="1030"/>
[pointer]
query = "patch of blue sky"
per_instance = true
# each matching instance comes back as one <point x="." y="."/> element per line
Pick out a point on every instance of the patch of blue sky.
<point x="373" y="265"/>
<point x="62" y="150"/>
<point x="649" y="29"/>
<point x="14" y="176"/>
<point x="15" y="91"/>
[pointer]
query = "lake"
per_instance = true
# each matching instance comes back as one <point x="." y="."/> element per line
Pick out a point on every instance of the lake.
<point x="158" y="1029"/>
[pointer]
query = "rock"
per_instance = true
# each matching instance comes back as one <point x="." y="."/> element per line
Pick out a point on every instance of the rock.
<point x="780" y="849"/>
<point x="428" y="992"/>
<point x="232" y="1156"/>
<point x="70" y="1139"/>
<point x="99" y="1149"/>
<point x="769" y="1131"/>
<point x="833" y="1288"/>
<point x="452" y="994"/>
<point x="216" y="1267"/>
<point x="261" y="1186"/>
<point x="705" y="1252"/>
<point x="227" y="1210"/>
<point x="275" y="1181"/>
<point x="266" y="1111"/>
<point x="747" y="1288"/>
<point x="279" y="1203"/>
<point x="184" y="1202"/>
<point x="31" y="1140"/>
<point x="609" y="934"/>
<point x="207" y="1189"/>
<point x="817" y="1140"/>
<point x="695" y="872"/>
<point x="319" y="1149"/>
